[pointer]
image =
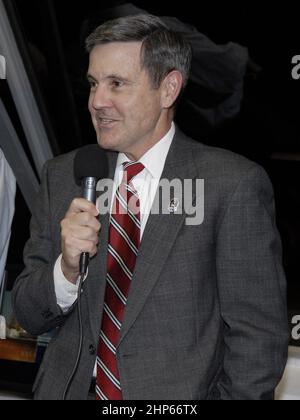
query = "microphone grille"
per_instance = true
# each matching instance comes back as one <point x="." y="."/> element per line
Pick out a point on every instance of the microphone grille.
<point x="90" y="161"/>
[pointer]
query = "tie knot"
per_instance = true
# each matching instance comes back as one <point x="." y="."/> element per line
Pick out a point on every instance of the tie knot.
<point x="131" y="169"/>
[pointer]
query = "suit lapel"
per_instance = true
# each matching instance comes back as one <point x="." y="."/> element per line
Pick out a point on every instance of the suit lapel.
<point x="159" y="236"/>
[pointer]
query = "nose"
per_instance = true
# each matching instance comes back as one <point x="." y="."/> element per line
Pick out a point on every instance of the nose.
<point x="100" y="98"/>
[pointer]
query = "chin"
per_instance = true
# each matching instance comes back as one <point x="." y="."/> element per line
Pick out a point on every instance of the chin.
<point x="107" y="144"/>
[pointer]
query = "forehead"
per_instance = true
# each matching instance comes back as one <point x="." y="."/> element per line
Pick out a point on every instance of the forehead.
<point x="120" y="56"/>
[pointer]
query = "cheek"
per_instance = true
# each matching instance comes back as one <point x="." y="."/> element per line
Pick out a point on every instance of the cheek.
<point x="90" y="104"/>
<point x="149" y="110"/>
<point x="93" y="115"/>
<point x="90" y="108"/>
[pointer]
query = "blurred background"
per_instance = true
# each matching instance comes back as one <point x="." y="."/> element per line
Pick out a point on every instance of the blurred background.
<point x="261" y="123"/>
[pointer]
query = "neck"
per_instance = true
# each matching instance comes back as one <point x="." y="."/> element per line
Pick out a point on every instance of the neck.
<point x="141" y="149"/>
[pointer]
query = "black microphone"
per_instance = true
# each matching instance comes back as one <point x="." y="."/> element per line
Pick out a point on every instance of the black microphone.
<point x="90" y="165"/>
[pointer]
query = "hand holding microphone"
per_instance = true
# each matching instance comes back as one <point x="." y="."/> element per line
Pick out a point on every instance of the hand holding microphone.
<point x="79" y="233"/>
<point x="80" y="227"/>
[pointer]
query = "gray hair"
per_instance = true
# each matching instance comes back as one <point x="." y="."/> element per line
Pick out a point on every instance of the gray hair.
<point x="163" y="50"/>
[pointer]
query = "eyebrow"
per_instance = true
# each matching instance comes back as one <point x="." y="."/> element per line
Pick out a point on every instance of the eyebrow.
<point x="111" y="76"/>
<point x="90" y="77"/>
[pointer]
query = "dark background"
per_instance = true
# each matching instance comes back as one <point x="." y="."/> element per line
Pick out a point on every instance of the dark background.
<point x="52" y="30"/>
<point x="50" y="34"/>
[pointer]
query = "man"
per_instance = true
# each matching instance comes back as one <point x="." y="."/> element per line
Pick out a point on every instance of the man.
<point x="177" y="311"/>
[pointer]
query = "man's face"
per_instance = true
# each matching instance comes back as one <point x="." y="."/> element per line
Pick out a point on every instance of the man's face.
<point x="126" y="111"/>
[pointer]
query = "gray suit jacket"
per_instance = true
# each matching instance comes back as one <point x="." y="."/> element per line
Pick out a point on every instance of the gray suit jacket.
<point x="206" y="315"/>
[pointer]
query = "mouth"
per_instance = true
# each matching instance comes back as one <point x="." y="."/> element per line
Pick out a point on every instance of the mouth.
<point x="104" y="122"/>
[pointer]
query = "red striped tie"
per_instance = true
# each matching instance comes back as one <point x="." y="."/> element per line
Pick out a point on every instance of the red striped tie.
<point x="123" y="245"/>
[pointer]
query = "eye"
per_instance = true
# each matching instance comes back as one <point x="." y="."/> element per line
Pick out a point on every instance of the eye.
<point x="92" y="84"/>
<point x="115" y="83"/>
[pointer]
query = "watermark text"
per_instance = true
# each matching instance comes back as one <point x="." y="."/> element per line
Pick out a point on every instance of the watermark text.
<point x="296" y="68"/>
<point x="168" y="197"/>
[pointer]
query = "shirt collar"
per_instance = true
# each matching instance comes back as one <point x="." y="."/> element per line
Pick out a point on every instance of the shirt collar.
<point x="153" y="160"/>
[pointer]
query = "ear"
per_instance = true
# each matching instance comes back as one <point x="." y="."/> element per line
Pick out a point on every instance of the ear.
<point x="171" y="88"/>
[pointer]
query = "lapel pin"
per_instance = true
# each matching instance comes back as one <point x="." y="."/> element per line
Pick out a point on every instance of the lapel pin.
<point x="173" y="206"/>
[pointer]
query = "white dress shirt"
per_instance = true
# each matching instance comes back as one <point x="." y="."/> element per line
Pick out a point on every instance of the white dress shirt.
<point x="7" y="209"/>
<point x="146" y="184"/>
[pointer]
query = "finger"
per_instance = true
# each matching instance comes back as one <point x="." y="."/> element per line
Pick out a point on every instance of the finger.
<point x="87" y="246"/>
<point x="85" y="233"/>
<point x="79" y="205"/>
<point x="73" y="221"/>
<point x="74" y="247"/>
<point x="86" y="219"/>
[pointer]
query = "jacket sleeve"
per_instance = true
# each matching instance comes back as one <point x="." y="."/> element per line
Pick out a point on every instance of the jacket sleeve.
<point x="252" y="292"/>
<point x="34" y="298"/>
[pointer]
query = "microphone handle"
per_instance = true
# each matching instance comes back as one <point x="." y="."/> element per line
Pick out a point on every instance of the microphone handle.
<point x="84" y="263"/>
<point x="89" y="193"/>
<point x="89" y="185"/>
